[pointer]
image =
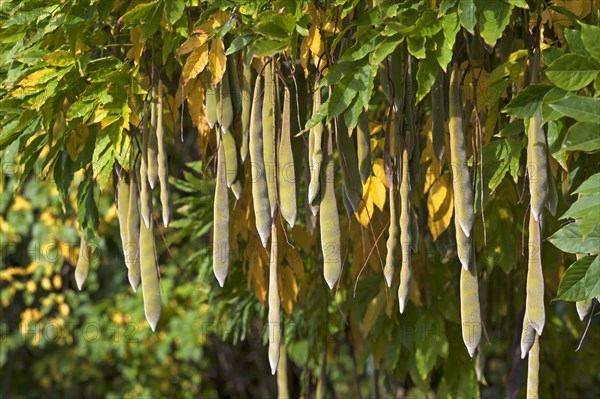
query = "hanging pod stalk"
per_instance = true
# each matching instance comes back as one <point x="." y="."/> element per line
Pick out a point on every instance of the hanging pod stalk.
<point x="286" y="174"/>
<point x="268" y="131"/>
<point x="527" y="336"/>
<point x="315" y="153"/>
<point x="163" y="167"/>
<point x="461" y="179"/>
<point x="149" y="272"/>
<point x="152" y="151"/>
<point x="132" y="254"/>
<point x="329" y="219"/>
<point x="405" y="231"/>
<point x="122" y="211"/>
<point x="260" y="193"/>
<point x="534" y="301"/>
<point x="274" y="304"/>
<point x="82" y="269"/>
<point x="438" y="117"/>
<point x="221" y="218"/>
<point x="282" y="381"/>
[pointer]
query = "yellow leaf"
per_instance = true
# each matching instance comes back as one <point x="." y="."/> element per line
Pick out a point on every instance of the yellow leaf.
<point x="440" y="206"/>
<point x="214" y="21"/>
<point x="135" y="52"/>
<point x="195" y="63"/>
<point x="379" y="171"/>
<point x="288" y="288"/>
<point x="59" y="58"/>
<point x="304" y="55"/>
<point x="377" y="191"/>
<point x="32" y="79"/>
<point x="197" y="109"/>
<point x="76" y="142"/>
<point x="217" y="60"/>
<point x="192" y="43"/>
<point x="366" y="207"/>
<point x="257" y="276"/>
<point x="316" y="46"/>
<point x="375" y="127"/>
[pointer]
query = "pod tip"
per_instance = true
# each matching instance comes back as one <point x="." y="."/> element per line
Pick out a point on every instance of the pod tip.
<point x="274" y="360"/>
<point x="402" y="304"/>
<point x="153" y="320"/>
<point x="388" y="274"/>
<point x="80" y="280"/>
<point x="332" y="277"/>
<point x="471" y="349"/>
<point x="221" y="277"/>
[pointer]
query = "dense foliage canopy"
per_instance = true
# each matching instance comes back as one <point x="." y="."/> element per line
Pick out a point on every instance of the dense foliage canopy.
<point x="286" y="174"/>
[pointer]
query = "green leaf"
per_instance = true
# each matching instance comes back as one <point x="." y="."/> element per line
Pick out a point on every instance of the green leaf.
<point x="493" y="18"/>
<point x="582" y="136"/>
<point x="416" y="46"/>
<point x="588" y="205"/>
<point x="590" y="36"/>
<point x="427" y="24"/>
<point x="519" y="3"/>
<point x="274" y="25"/>
<point x="174" y="10"/>
<point x="549" y="113"/>
<point x="581" y="281"/>
<point x="583" y="109"/>
<point x="501" y="157"/>
<point x="446" y="5"/>
<point x="466" y="13"/>
<point x="569" y="239"/>
<point x="575" y="43"/>
<point x="141" y="12"/>
<point x="426" y="74"/>
<point x="239" y="43"/>
<point x="263" y="47"/>
<point x="152" y="24"/>
<point x="342" y="95"/>
<point x="572" y="72"/>
<point x="385" y="48"/>
<point x="528" y="102"/>
<point x="365" y="44"/>
<point x="590" y="186"/>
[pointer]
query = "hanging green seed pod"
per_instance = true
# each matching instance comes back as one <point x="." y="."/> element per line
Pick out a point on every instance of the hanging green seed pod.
<point x="224" y="105"/>
<point x="470" y="312"/>
<point x="211" y="101"/>
<point x="221" y="219"/>
<point x="122" y="211"/>
<point x="82" y="269"/>
<point x="351" y="179"/>
<point x="285" y="164"/>
<point x="363" y="146"/>
<point x="246" y="106"/>
<point x="152" y="151"/>
<point x="274" y="304"/>
<point x="537" y="166"/>
<point x="260" y="193"/>
<point x="231" y="157"/>
<point x="438" y="117"/>
<point x="150" y="278"/>
<point x="528" y="335"/>
<point x="235" y="91"/>
<point x="329" y="219"/>
<point x="533" y="370"/>
<point x="461" y="180"/>
<point x="388" y="270"/>
<point x="405" y="232"/>
<point x="534" y="301"/>
<point x="163" y="167"/>
<point x="268" y="131"/>
<point x="315" y="156"/>
<point x="536" y="153"/>
<point x="145" y="194"/>
<point x="132" y="256"/>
